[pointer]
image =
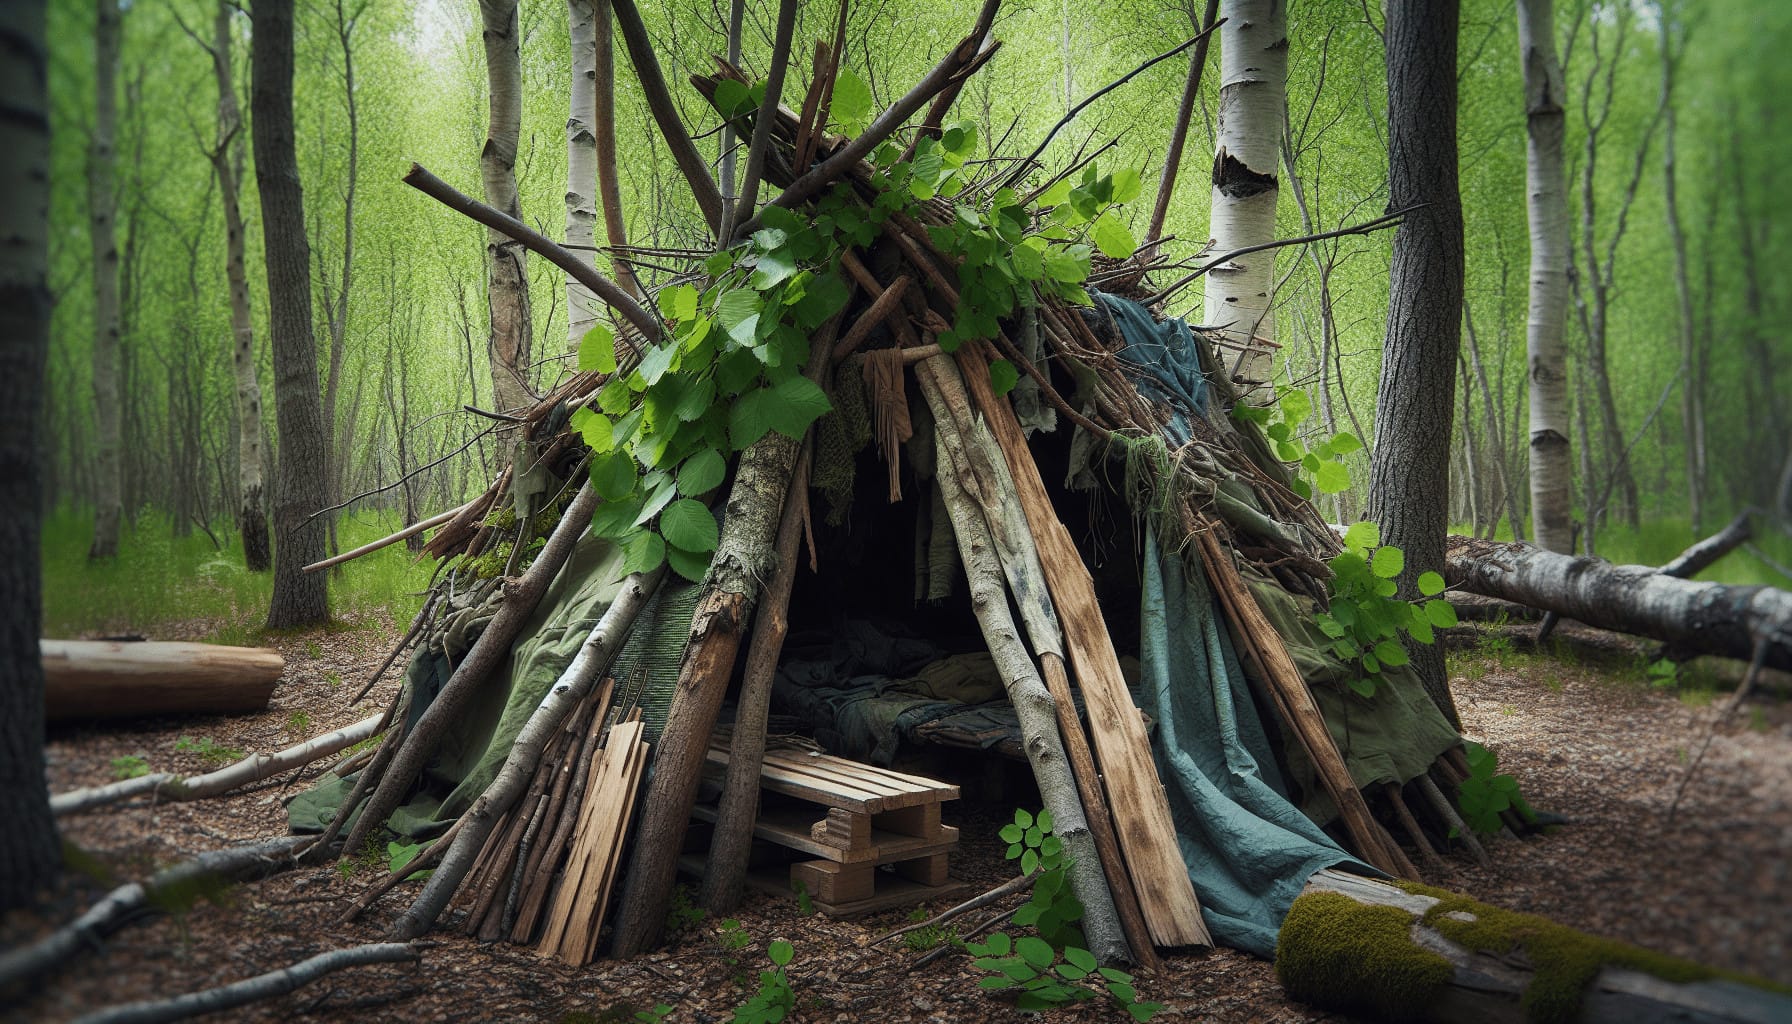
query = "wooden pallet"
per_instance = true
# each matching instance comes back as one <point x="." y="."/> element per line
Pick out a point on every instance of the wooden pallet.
<point x="852" y="819"/>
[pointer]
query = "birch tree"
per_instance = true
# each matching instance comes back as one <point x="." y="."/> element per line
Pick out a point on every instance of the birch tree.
<point x="507" y="275"/>
<point x="1552" y="472"/>
<point x="29" y="852"/>
<point x="1253" y="95"/>
<point x="227" y="167"/>
<point x="582" y="307"/>
<point x="1692" y="413"/>
<point x="102" y="205"/>
<point x="300" y="598"/>
<point x="341" y="435"/>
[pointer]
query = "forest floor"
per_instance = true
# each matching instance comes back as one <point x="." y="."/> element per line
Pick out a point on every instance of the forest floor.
<point x="1597" y="744"/>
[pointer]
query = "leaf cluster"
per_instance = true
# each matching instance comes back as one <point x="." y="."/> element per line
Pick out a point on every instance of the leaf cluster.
<point x="1366" y="619"/>
<point x="1486" y="792"/>
<point x="774" y="1000"/>
<point x="1320" y="468"/>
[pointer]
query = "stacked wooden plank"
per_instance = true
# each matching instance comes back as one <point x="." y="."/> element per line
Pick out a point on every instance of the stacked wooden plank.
<point x="577" y="916"/>
<point x="852" y="819"/>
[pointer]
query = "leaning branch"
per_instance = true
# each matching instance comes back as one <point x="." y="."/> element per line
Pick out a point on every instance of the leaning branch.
<point x="251" y="990"/>
<point x="420" y="179"/>
<point x="665" y="113"/>
<point x="254" y="768"/>
<point x="366" y="549"/>
<point x="762" y="124"/>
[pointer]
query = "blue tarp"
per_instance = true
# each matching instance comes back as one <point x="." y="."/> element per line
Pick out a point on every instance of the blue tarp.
<point x="1249" y="851"/>
<point x="1162" y="361"/>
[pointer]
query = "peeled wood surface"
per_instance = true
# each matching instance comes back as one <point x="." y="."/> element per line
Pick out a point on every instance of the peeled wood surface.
<point x="577" y="916"/>
<point x="1486" y="989"/>
<point x="124" y="679"/>
<point x="1141" y="811"/>
<point x="1698" y="617"/>
<point x="837" y="782"/>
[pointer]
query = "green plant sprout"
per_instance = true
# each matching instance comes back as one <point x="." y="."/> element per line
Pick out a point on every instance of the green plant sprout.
<point x="1365" y="620"/>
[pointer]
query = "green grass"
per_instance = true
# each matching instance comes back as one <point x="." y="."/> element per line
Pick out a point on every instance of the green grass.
<point x="158" y="580"/>
<point x="1658" y="540"/>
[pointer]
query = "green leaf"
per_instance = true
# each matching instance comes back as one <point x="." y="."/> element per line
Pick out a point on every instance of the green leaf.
<point x="1028" y="861"/>
<point x="690" y="565"/>
<point x="595" y="428"/>
<point x="643" y="552"/>
<point x="1295" y="406"/>
<point x="1366" y="687"/>
<point x="1126" y="185"/>
<point x="695" y="400"/>
<point x="1035" y="951"/>
<point x="1112" y="237"/>
<point x="1440" y="613"/>
<point x="1390" y="654"/>
<point x="615" y="397"/>
<point x="597" y="350"/>
<point x="1332" y="478"/>
<point x="852" y="103"/>
<point x="655" y="362"/>
<point x="772" y="269"/>
<point x="1420" y="628"/>
<point x="1044" y="820"/>
<point x="796" y="403"/>
<point x="780" y="952"/>
<point x="616" y="519"/>
<point x="1115" y="974"/>
<point x="1345" y="443"/>
<point x="731" y="97"/>
<point x="1430" y="584"/>
<point x="1388" y="562"/>
<point x="1003" y="376"/>
<point x="701" y="472"/>
<point x="688" y="526"/>
<point x="1362" y="535"/>
<point x="768" y="239"/>
<point x="684" y="302"/>
<point x="613" y="475"/>
<point x="1023" y="818"/>
<point x="658" y="497"/>
<point x="1143" y="1012"/>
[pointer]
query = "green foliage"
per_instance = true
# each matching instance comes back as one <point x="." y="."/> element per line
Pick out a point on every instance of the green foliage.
<point x="209" y="750"/>
<point x="1485" y="793"/>
<point x="1366" y="619"/>
<point x="400" y="854"/>
<point x="1051" y="968"/>
<point x="732" y="936"/>
<point x="682" y="913"/>
<point x="774" y="1000"/>
<point x="805" y="904"/>
<point x="130" y="766"/>
<point x="298" y="723"/>
<point x="1320" y="468"/>
<point x="1662" y="672"/>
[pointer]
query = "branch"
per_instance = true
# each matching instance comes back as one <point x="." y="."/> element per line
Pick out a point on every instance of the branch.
<point x="381" y="489"/>
<point x="1366" y="227"/>
<point x="250" y="990"/>
<point x="368" y="548"/>
<point x="665" y="114"/>
<point x="762" y="122"/>
<point x="936" y="114"/>
<point x="1166" y="185"/>
<point x="420" y="179"/>
<point x="1026" y="163"/>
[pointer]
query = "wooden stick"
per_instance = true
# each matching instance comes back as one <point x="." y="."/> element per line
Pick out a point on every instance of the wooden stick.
<point x="254" y="768"/>
<point x="885" y="305"/>
<point x="594" y="658"/>
<point x="427" y="859"/>
<point x="542" y="877"/>
<point x="1441" y="804"/>
<point x="1019" y="883"/>
<point x="665" y="114"/>
<point x="491" y="648"/>
<point x="1735" y="701"/>
<point x="936" y="112"/>
<point x="762" y="124"/>
<point x="538" y="243"/>
<point x="410" y="531"/>
<point x="1166" y="185"/>
<point x="1411" y="825"/>
<point x="252" y="990"/>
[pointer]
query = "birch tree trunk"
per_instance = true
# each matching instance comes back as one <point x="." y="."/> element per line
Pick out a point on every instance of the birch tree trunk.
<point x="29" y="852"/>
<point x="1253" y="95"/>
<point x="508" y="276"/>
<point x="300" y="598"/>
<point x="102" y="202"/>
<point x="1410" y="469"/>
<point x="1552" y="471"/>
<point x="582" y="307"/>
<point x="227" y="164"/>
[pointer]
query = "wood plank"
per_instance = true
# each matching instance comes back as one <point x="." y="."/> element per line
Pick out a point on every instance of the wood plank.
<point x="923" y="820"/>
<point x="829" y="882"/>
<point x="823" y="784"/>
<point x="846" y="830"/>
<point x="578" y="909"/>
<point x="854" y="773"/>
<point x="930" y="870"/>
<point x="1142" y="820"/>
<point x="790" y="829"/>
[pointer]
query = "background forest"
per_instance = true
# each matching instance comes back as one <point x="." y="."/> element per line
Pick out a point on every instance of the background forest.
<point x="1676" y="167"/>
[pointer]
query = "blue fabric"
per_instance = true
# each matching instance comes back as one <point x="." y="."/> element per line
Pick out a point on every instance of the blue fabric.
<point x="1168" y="368"/>
<point x="1248" y="850"/>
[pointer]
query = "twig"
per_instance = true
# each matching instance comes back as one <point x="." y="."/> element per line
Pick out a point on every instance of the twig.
<point x="501" y="417"/>
<point x="417" y="626"/>
<point x="1070" y="115"/>
<point x="1735" y="701"/>
<point x="410" y="531"/>
<point x="1019" y="883"/>
<point x="1385" y="220"/>
<point x="250" y="990"/>
<point x="665" y="114"/>
<point x="987" y="923"/>
<point x="381" y="489"/>
<point x="762" y="123"/>
<point x="1166" y="185"/>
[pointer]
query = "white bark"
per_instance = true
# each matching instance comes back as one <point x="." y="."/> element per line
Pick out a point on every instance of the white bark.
<point x="507" y="275"/>
<point x="574" y="685"/>
<point x="582" y="307"/>
<point x="1253" y="94"/>
<point x="254" y="768"/>
<point x="1552" y="473"/>
<point x="250" y="990"/>
<point x="102" y="200"/>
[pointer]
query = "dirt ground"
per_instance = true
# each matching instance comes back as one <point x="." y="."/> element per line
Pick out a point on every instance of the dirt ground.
<point x="1597" y="745"/>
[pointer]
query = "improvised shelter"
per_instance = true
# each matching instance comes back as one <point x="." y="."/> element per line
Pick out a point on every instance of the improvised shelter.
<point x="1037" y="528"/>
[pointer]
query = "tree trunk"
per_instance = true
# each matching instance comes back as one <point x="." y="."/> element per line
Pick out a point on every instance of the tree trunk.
<point x="731" y="587"/>
<point x="299" y="599"/>
<point x="508" y="283"/>
<point x="582" y="306"/>
<point x="1253" y="94"/>
<point x="1692" y="415"/>
<point x="1409" y="472"/>
<point x="339" y="436"/>
<point x="1191" y="91"/>
<point x="29" y="851"/>
<point x="609" y="188"/>
<point x="1690" y="616"/>
<point x="1552" y="471"/>
<point x="102" y="203"/>
<point x="1496" y="423"/>
<point x="1362" y="946"/>
<point x="112" y="679"/>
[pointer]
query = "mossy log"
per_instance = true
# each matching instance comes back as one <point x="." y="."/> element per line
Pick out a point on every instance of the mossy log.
<point x="1410" y="953"/>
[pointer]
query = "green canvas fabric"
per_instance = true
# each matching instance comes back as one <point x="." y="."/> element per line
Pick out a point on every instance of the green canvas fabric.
<point x="476" y="744"/>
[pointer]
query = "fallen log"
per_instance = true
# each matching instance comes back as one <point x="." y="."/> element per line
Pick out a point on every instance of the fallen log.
<point x="1692" y="616"/>
<point x="129" y="678"/>
<point x="1388" y="953"/>
<point x="251" y="990"/>
<point x="254" y="768"/>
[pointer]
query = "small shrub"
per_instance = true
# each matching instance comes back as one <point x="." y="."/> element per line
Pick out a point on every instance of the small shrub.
<point x="209" y="750"/>
<point x="774" y="1000"/>
<point x="130" y="766"/>
<point x="683" y="914"/>
<point x="1484" y="794"/>
<point x="298" y="723"/>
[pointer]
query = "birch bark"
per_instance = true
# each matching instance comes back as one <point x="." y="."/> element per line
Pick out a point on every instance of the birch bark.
<point x="582" y="307"/>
